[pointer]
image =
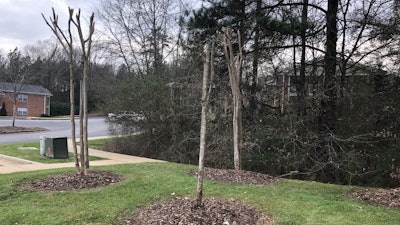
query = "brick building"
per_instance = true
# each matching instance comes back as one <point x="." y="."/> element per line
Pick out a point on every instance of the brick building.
<point x="32" y="100"/>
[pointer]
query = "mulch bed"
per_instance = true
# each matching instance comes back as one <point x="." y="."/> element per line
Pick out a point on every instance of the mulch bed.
<point x="10" y="129"/>
<point x="384" y="197"/>
<point x="73" y="181"/>
<point x="236" y="176"/>
<point x="213" y="211"/>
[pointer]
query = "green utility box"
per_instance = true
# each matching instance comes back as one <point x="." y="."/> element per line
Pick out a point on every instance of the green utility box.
<point x="56" y="148"/>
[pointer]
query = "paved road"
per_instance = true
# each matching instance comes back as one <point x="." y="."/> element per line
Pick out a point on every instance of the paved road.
<point x="57" y="128"/>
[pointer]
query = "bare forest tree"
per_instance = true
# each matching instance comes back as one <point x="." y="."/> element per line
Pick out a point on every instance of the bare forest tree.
<point x="140" y="32"/>
<point x="85" y="44"/>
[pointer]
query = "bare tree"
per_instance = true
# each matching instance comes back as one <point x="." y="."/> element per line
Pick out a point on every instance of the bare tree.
<point x="208" y="74"/>
<point x="86" y="45"/>
<point x="140" y="32"/>
<point x="67" y="43"/>
<point x="16" y="69"/>
<point x="234" y="63"/>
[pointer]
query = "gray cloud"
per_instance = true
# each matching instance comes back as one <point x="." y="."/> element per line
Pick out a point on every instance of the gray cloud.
<point x="21" y="22"/>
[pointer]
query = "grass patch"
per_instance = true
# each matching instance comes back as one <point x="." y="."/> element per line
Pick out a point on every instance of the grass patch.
<point x="99" y="143"/>
<point x="290" y="202"/>
<point x="20" y="150"/>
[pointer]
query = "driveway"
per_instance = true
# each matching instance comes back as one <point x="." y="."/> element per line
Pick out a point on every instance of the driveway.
<point x="97" y="127"/>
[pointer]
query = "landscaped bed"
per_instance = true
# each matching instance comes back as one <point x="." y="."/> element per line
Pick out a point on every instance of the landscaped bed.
<point x="235" y="197"/>
<point x="11" y="129"/>
<point x="154" y="193"/>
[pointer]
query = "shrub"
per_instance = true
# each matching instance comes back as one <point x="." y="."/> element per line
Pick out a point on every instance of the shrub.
<point x="3" y="111"/>
<point x="61" y="109"/>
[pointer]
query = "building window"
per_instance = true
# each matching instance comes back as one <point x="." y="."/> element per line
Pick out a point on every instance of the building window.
<point x="23" y="98"/>
<point x="22" y="111"/>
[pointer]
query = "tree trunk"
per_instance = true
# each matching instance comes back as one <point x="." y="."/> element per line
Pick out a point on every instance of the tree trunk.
<point x="85" y="115"/>
<point x="72" y="109"/>
<point x="327" y="122"/>
<point x="328" y="102"/>
<point x="302" y="90"/>
<point x="14" y="114"/>
<point x="234" y="69"/>
<point x="252" y="81"/>
<point x="81" y="129"/>
<point x="203" y="128"/>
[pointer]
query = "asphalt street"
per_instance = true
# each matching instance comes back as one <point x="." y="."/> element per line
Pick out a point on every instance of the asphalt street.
<point x="97" y="127"/>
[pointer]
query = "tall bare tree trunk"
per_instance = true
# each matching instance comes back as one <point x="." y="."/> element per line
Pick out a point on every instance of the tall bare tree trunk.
<point x="235" y="70"/>
<point x="14" y="114"/>
<point x="67" y="44"/>
<point x="72" y="107"/>
<point x="81" y="130"/>
<point x="206" y="89"/>
<point x="86" y="45"/>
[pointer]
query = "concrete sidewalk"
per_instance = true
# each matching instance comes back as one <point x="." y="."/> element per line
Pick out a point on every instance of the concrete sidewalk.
<point x="10" y="164"/>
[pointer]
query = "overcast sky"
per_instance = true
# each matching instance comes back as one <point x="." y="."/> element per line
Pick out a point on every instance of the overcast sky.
<point x="21" y="22"/>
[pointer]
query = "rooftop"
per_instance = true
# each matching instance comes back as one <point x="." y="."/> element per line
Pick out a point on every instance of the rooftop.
<point x="24" y="88"/>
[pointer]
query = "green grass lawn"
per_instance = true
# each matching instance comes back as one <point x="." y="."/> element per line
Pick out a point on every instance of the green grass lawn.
<point x="290" y="202"/>
<point x="15" y="150"/>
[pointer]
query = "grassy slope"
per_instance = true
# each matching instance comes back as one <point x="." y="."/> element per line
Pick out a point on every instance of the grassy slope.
<point x="291" y="202"/>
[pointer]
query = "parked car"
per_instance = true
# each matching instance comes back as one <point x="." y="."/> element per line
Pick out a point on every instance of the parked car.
<point x="125" y="115"/>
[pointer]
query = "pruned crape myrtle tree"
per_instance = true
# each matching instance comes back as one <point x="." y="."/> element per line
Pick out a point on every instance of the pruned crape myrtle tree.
<point x="234" y="63"/>
<point x="85" y="44"/>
